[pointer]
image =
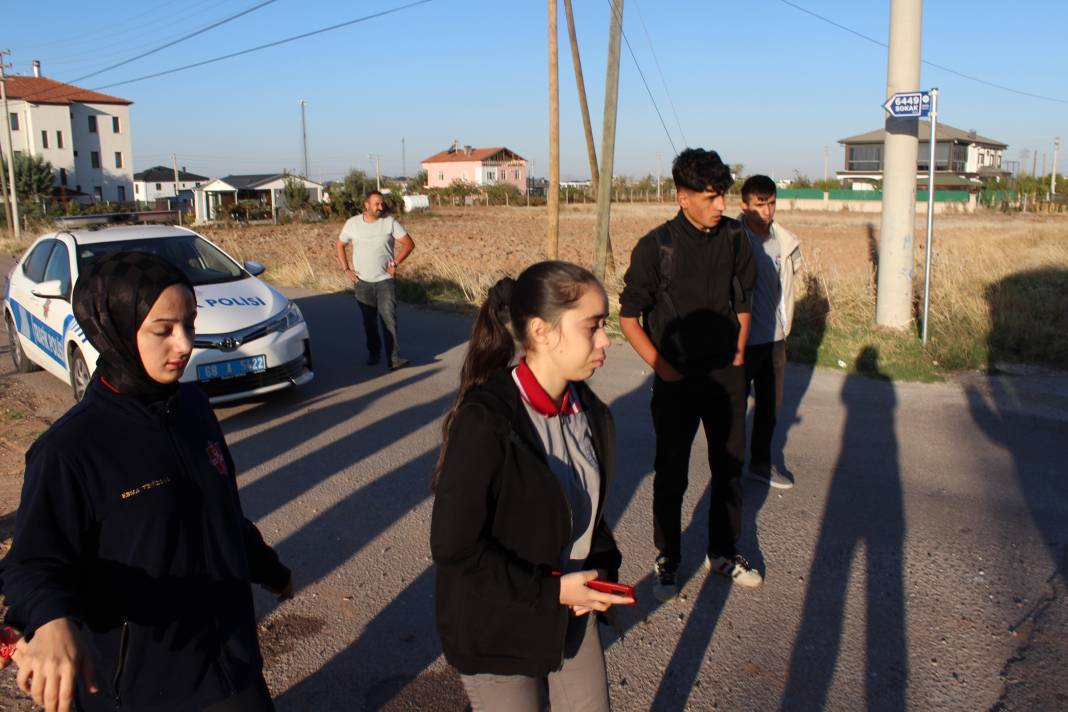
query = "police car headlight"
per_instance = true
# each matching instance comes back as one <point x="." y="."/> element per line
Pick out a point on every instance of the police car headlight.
<point x="291" y="317"/>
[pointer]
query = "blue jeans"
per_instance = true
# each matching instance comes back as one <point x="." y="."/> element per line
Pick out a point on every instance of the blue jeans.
<point x="378" y="303"/>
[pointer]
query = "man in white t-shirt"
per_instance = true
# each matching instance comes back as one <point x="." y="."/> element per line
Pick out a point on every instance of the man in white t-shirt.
<point x="379" y="245"/>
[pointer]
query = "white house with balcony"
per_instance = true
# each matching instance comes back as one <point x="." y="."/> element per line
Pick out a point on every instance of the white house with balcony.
<point x="961" y="157"/>
<point x="84" y="134"/>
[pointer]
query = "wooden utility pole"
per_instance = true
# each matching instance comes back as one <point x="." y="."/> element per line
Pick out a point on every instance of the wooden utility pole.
<point x="14" y="214"/>
<point x="608" y="141"/>
<point x="3" y="190"/>
<point x="552" y="197"/>
<point x="587" y="126"/>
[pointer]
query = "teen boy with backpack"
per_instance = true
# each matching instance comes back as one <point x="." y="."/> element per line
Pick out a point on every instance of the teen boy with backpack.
<point x="685" y="309"/>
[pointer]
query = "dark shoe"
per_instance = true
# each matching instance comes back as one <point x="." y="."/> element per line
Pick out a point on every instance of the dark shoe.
<point x="737" y="570"/>
<point x="373" y="360"/>
<point x="665" y="584"/>
<point x="399" y="363"/>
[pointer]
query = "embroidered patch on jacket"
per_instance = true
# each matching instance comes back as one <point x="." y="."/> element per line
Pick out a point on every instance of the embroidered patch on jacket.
<point x="145" y="487"/>
<point x="215" y="457"/>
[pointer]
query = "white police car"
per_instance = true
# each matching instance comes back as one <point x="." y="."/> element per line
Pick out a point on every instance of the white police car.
<point x="250" y="339"/>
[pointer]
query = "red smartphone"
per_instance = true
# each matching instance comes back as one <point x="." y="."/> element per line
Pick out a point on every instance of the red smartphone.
<point x="618" y="589"/>
<point x="8" y="638"/>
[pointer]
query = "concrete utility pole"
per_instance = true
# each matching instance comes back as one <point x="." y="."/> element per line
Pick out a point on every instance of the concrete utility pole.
<point x="1053" y="176"/>
<point x="10" y="148"/>
<point x="177" y="203"/>
<point x="304" y="135"/>
<point x="1034" y="163"/>
<point x="404" y="159"/>
<point x="552" y="198"/>
<point x="608" y="141"/>
<point x="893" y="304"/>
<point x="378" y="176"/>
<point x="659" y="157"/>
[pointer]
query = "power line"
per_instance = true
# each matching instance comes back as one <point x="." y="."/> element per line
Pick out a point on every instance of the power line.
<point x="660" y="71"/>
<point x="194" y="33"/>
<point x="642" y="75"/>
<point x="924" y="61"/>
<point x="77" y="90"/>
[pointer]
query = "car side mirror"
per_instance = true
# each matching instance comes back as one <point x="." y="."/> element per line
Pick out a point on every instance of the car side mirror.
<point x="52" y="289"/>
<point x="255" y="268"/>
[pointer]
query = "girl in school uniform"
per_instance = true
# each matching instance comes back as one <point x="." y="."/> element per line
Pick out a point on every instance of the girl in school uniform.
<point x="518" y="526"/>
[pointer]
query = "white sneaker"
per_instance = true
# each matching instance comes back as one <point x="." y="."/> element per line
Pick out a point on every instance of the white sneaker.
<point x="770" y="475"/>
<point x="737" y="570"/>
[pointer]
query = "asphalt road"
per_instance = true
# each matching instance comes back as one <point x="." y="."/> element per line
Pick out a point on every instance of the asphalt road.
<point x="918" y="564"/>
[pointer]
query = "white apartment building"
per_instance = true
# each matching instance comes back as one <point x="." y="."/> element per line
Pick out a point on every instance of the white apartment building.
<point x="85" y="135"/>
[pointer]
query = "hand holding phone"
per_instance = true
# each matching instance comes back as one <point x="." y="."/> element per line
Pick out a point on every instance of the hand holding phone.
<point x="616" y="589"/>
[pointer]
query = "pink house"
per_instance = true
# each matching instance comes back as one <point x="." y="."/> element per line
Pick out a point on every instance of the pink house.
<point x="478" y="166"/>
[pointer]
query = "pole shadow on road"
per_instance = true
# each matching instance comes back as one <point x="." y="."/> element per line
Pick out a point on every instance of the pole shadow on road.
<point x="864" y="512"/>
<point x="1035" y="442"/>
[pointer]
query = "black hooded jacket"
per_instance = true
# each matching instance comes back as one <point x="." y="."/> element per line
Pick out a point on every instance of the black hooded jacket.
<point x="501" y="523"/>
<point x="130" y="525"/>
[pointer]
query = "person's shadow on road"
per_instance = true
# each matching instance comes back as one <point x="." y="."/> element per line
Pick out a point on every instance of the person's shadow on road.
<point x="864" y="514"/>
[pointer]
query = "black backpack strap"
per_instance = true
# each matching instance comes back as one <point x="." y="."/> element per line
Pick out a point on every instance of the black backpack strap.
<point x="665" y="247"/>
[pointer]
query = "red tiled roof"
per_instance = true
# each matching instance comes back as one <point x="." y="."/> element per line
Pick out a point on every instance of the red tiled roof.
<point x="477" y="154"/>
<point x="40" y="90"/>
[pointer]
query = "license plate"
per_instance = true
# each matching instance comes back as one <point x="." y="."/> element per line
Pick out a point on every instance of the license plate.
<point x="231" y="369"/>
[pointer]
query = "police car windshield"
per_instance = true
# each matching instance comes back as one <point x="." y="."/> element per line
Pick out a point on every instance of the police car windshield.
<point x="201" y="261"/>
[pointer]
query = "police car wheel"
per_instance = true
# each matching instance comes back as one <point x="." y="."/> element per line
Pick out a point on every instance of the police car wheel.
<point x="79" y="374"/>
<point x="18" y="356"/>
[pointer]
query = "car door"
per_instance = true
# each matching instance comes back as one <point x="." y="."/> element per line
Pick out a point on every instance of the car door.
<point x="42" y="344"/>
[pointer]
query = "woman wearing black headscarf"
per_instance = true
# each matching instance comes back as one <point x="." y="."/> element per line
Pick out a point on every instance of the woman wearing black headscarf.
<point x="130" y="568"/>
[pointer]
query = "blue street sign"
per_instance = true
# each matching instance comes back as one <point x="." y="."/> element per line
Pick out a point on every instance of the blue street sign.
<point x="910" y="104"/>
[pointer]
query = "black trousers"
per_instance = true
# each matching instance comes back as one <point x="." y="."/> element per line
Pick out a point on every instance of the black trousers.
<point x="765" y="365"/>
<point x="715" y="400"/>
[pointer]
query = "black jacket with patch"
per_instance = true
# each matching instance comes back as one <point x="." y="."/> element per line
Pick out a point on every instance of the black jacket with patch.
<point x="130" y="524"/>
<point x="501" y="524"/>
<point x="691" y="313"/>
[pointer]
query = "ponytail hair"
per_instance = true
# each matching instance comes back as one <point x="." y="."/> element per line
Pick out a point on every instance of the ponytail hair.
<point x="544" y="290"/>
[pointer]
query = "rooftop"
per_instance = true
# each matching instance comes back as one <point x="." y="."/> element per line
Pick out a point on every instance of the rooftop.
<point x="465" y="154"/>
<point x="945" y="133"/>
<point x="158" y="174"/>
<point x="41" y="90"/>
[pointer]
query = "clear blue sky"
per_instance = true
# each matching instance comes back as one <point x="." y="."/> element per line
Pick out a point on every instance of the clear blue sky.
<point x="763" y="83"/>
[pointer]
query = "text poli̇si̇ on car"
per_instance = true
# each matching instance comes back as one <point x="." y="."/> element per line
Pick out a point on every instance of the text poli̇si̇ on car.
<point x="250" y="339"/>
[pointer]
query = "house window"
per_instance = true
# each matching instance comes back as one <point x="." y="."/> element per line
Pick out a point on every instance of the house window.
<point x="98" y="192"/>
<point x="441" y="175"/>
<point x="44" y="139"/>
<point x="515" y="174"/>
<point x="114" y="124"/>
<point x="14" y="121"/>
<point x="158" y="186"/>
<point x="865" y="158"/>
<point x="122" y="194"/>
<point x="59" y="139"/>
<point x="137" y="188"/>
<point x="491" y="176"/>
<point x="62" y="176"/>
<point x="118" y="159"/>
<point x="92" y="124"/>
<point x="94" y="159"/>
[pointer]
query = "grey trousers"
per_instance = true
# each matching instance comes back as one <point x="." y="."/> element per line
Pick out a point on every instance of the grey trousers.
<point x="378" y="303"/>
<point x="580" y="686"/>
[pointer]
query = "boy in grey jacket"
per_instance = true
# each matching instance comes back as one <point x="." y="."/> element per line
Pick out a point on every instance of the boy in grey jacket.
<point x="778" y="257"/>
